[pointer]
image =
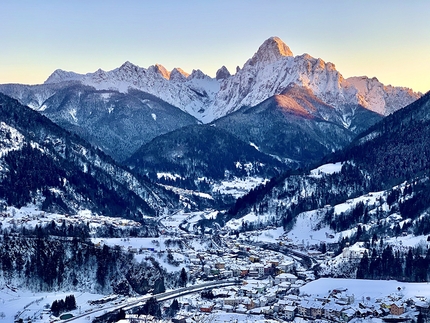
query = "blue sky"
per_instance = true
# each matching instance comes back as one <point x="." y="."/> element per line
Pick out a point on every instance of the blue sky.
<point x="386" y="39"/>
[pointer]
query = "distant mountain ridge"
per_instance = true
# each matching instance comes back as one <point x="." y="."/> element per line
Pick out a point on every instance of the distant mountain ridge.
<point x="117" y="123"/>
<point x="318" y="111"/>
<point x="269" y="72"/>
<point x="190" y="92"/>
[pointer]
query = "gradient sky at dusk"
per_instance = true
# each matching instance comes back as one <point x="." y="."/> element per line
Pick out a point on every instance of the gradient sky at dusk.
<point x="386" y="39"/>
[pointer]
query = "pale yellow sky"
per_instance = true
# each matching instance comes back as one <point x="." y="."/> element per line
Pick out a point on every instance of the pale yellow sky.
<point x="384" y="39"/>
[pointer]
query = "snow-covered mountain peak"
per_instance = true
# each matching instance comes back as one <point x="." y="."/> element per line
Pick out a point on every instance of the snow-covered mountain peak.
<point x="270" y="51"/>
<point x="178" y="74"/>
<point x="198" y="74"/>
<point x="127" y="66"/>
<point x="126" y="69"/>
<point x="380" y="98"/>
<point x="162" y="71"/>
<point x="100" y="75"/>
<point x="59" y="76"/>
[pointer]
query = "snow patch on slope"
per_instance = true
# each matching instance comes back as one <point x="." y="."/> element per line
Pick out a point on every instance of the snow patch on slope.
<point x="11" y="139"/>
<point x="326" y="169"/>
<point x="238" y="187"/>
<point x="254" y="145"/>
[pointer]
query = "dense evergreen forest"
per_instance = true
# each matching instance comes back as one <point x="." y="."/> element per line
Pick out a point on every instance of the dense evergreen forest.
<point x="412" y="265"/>
<point x="45" y="262"/>
<point x="31" y="170"/>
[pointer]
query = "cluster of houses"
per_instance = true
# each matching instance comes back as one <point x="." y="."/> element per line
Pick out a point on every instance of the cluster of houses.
<point x="271" y="287"/>
<point x="239" y="261"/>
<point x="265" y="297"/>
<point x="254" y="296"/>
<point x="340" y="306"/>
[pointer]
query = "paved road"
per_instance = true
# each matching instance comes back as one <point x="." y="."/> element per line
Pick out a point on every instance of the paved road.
<point x="306" y="260"/>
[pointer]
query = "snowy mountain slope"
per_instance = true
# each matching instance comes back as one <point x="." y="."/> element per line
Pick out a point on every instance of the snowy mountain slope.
<point x="115" y="122"/>
<point x="33" y="96"/>
<point x="273" y="68"/>
<point x="380" y="98"/>
<point x="39" y="160"/>
<point x="192" y="93"/>
<point x="269" y="72"/>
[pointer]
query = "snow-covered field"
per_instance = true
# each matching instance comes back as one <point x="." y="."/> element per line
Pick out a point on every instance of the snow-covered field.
<point x="147" y="247"/>
<point x="26" y="304"/>
<point x="30" y="216"/>
<point x="326" y="169"/>
<point x="238" y="187"/>
<point x="251" y="217"/>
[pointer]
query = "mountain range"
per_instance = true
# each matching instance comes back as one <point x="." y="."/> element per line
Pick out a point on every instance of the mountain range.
<point x="375" y="189"/>
<point x="123" y="109"/>
<point x="269" y="72"/>
<point x="277" y="112"/>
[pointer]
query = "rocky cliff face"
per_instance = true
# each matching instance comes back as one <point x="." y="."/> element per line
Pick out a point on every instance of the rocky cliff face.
<point x="273" y="68"/>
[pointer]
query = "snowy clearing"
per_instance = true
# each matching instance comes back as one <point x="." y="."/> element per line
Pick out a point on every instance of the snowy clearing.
<point x="326" y="169"/>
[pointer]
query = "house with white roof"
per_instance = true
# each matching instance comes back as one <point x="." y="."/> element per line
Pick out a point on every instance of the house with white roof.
<point x="286" y="266"/>
<point x="289" y="312"/>
<point x="285" y="277"/>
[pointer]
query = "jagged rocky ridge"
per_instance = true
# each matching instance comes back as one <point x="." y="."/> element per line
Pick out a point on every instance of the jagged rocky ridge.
<point x="269" y="72"/>
<point x="273" y="68"/>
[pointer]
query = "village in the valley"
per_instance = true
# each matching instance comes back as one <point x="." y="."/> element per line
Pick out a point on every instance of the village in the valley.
<point x="272" y="279"/>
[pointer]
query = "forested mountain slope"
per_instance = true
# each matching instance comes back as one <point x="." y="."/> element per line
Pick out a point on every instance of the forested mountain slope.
<point x="117" y="123"/>
<point x="296" y="126"/>
<point x="41" y="161"/>
<point x="197" y="157"/>
<point x="392" y="159"/>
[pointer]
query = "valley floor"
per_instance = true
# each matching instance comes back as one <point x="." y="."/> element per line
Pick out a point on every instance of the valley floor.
<point x="276" y="284"/>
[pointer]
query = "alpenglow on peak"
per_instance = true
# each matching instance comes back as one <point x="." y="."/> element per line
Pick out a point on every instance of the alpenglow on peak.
<point x="271" y="50"/>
